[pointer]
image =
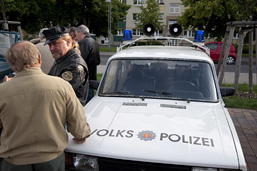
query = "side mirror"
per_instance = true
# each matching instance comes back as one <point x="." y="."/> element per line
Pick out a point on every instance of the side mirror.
<point x="227" y="91"/>
<point x="94" y="84"/>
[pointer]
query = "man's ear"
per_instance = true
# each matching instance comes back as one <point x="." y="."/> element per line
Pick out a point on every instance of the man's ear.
<point x="39" y="58"/>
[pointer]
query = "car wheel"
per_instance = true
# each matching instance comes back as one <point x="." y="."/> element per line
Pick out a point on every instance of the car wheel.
<point x="230" y="60"/>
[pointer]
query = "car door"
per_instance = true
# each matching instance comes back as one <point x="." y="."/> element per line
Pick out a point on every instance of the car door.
<point x="214" y="51"/>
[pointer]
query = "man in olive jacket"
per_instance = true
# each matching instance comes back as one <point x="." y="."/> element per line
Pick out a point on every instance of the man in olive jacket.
<point x="33" y="110"/>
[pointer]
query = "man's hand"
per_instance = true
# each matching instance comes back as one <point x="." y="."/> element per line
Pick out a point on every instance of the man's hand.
<point x="6" y="78"/>
<point x="79" y="141"/>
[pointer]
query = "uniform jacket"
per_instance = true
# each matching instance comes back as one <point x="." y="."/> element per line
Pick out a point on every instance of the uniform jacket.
<point x="89" y="49"/>
<point x="33" y="110"/>
<point x="72" y="68"/>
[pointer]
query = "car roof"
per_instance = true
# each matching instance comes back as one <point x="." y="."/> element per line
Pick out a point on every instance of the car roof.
<point x="163" y="52"/>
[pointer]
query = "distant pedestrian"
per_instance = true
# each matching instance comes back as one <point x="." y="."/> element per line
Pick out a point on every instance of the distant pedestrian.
<point x="33" y="110"/>
<point x="89" y="49"/>
<point x="68" y="64"/>
<point x="73" y="33"/>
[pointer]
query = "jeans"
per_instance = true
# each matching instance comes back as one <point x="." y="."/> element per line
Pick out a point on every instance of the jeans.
<point x="90" y="95"/>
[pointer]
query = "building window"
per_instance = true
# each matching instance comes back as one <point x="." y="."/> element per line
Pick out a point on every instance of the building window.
<point x="137" y="32"/>
<point x="120" y="32"/>
<point x="236" y="35"/>
<point x="175" y="8"/>
<point x="135" y="16"/>
<point x="189" y="34"/>
<point x="162" y="17"/>
<point x="123" y="1"/>
<point x="158" y="33"/>
<point x="161" y="2"/>
<point x="139" y="2"/>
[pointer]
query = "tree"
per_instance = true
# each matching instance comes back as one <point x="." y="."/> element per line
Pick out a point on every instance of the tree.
<point x="30" y="13"/>
<point x="96" y="15"/>
<point x="150" y="14"/>
<point x="212" y="15"/>
<point x="35" y="15"/>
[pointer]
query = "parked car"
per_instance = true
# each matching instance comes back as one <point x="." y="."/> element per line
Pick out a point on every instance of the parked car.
<point x="158" y="108"/>
<point x="5" y="69"/>
<point x="215" y="50"/>
<point x="7" y="38"/>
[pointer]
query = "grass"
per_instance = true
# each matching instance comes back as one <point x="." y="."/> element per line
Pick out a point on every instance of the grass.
<point x="106" y="49"/>
<point x="241" y="102"/>
<point x="232" y="101"/>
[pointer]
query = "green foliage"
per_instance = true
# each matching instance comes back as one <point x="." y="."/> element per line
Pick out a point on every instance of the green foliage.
<point x="241" y="102"/>
<point x="212" y="15"/>
<point x="35" y="15"/>
<point x="245" y="49"/>
<point x="29" y="12"/>
<point x="106" y="49"/>
<point x="99" y="77"/>
<point x="150" y="14"/>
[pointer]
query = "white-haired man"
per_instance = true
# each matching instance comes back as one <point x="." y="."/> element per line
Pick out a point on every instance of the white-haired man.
<point x="89" y="49"/>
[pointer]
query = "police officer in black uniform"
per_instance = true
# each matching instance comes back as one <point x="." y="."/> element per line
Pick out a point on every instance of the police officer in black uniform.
<point x="68" y="64"/>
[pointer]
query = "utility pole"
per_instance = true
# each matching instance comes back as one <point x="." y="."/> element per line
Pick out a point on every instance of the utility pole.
<point x="109" y="24"/>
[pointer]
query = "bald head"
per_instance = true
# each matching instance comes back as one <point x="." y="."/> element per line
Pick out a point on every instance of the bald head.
<point x="23" y="55"/>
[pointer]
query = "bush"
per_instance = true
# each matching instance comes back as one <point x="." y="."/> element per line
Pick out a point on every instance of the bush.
<point x="245" y="48"/>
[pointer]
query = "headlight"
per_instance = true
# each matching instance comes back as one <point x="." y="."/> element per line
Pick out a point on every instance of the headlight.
<point x="82" y="162"/>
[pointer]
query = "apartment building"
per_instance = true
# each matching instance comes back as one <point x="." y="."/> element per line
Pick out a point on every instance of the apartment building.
<point x="169" y="9"/>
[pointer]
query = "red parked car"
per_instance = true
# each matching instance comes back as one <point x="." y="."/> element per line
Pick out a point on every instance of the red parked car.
<point x="215" y="49"/>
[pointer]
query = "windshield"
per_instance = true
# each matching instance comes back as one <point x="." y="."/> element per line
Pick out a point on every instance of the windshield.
<point x="6" y="41"/>
<point x="189" y="80"/>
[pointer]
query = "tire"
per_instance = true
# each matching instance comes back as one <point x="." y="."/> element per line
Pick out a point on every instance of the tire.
<point x="230" y="60"/>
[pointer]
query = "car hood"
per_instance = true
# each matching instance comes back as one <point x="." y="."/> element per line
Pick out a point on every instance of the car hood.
<point x="160" y="131"/>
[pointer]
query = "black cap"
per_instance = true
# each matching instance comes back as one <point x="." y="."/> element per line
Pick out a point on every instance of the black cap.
<point x="55" y="33"/>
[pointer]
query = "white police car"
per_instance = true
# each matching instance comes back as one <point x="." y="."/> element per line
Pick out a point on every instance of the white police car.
<point x="158" y="108"/>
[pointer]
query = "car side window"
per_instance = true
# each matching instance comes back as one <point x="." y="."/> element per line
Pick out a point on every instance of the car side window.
<point x="212" y="46"/>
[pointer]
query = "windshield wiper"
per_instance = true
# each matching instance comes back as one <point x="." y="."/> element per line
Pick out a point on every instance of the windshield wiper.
<point x="158" y="92"/>
<point x="182" y="98"/>
<point x="117" y="92"/>
<point x="167" y="94"/>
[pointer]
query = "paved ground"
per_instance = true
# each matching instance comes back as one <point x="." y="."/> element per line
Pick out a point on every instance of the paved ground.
<point x="245" y="122"/>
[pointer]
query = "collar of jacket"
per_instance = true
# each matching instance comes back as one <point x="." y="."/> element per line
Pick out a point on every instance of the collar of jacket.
<point x="69" y="53"/>
<point x="87" y="36"/>
<point x="28" y="71"/>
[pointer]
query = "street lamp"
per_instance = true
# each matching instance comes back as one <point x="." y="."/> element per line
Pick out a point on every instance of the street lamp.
<point x="109" y="24"/>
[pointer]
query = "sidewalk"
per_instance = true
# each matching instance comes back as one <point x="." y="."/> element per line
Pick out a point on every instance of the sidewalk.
<point x="229" y="78"/>
<point x="245" y="122"/>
